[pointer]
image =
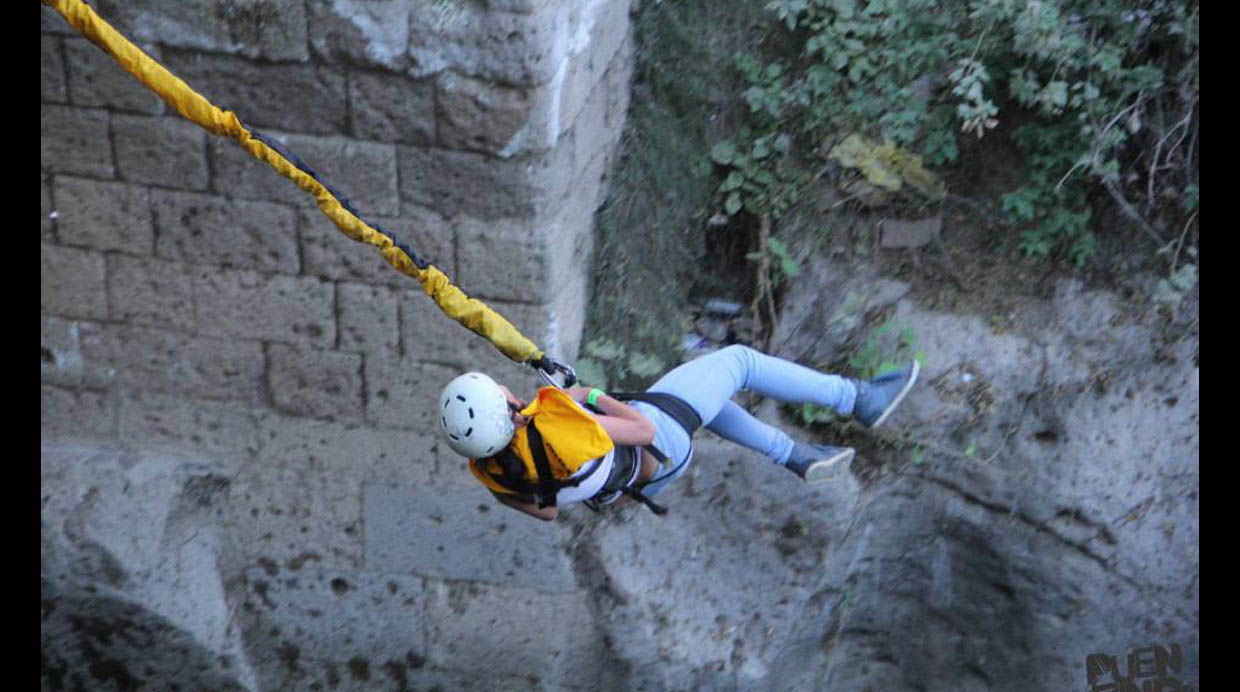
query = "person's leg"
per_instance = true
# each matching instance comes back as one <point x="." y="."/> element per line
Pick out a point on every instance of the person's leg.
<point x="708" y="383"/>
<point x="734" y="424"/>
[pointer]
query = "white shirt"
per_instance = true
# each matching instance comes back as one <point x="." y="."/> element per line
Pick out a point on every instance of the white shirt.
<point x="601" y="468"/>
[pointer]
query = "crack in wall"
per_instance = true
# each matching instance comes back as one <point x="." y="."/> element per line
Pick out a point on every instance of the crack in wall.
<point x="1043" y="528"/>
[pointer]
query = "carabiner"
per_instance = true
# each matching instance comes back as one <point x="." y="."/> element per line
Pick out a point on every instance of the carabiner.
<point x="548" y="367"/>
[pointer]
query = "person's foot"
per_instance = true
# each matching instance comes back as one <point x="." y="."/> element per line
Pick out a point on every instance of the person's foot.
<point x="877" y="398"/>
<point x="818" y="463"/>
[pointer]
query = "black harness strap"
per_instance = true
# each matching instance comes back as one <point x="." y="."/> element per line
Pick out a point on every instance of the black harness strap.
<point x="512" y="472"/>
<point x="681" y="412"/>
<point x="672" y="405"/>
<point x="547" y="484"/>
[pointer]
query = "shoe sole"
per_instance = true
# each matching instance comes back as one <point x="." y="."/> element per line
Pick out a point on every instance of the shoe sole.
<point x="899" y="397"/>
<point x="820" y="471"/>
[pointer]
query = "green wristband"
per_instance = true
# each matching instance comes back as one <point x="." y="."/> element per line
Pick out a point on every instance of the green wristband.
<point x="592" y="397"/>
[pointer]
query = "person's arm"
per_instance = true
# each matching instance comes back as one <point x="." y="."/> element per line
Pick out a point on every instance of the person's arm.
<point x="624" y="424"/>
<point x="530" y="508"/>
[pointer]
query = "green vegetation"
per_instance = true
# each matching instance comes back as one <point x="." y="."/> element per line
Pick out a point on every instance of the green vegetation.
<point x="1105" y="94"/>
<point x="606" y="361"/>
<point x="651" y="252"/>
<point x="883" y="349"/>
<point x="739" y="109"/>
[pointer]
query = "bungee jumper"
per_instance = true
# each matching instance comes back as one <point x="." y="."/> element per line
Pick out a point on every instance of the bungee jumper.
<point x="569" y="444"/>
<point x="579" y="444"/>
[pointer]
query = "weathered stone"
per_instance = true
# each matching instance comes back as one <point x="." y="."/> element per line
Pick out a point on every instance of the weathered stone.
<point x="594" y="137"/>
<point x="157" y="423"/>
<point x="459" y="182"/>
<point x="69" y="414"/>
<point x="506" y="260"/>
<point x="331" y="254"/>
<point x="148" y="291"/>
<point x="52" y="80"/>
<point x="618" y="80"/>
<point x="302" y="503"/>
<point x="72" y="283"/>
<point x="61" y="361"/>
<point x="97" y="80"/>
<point x="75" y="141"/>
<point x="50" y="22"/>
<point x="968" y="570"/>
<point x="246" y="304"/>
<point x="144" y="642"/>
<point x="392" y="108"/>
<point x="271" y="29"/>
<point x="368" y="320"/>
<point x="402" y="394"/>
<point x="204" y="228"/>
<point x="567" y="316"/>
<point x="479" y="116"/>
<point x="363" y="173"/>
<point x="589" y="125"/>
<point x="521" y="50"/>
<point x="572" y="229"/>
<point x="104" y="215"/>
<point x="396" y="456"/>
<point x="325" y="617"/>
<point x="163" y="362"/>
<point x="168" y="151"/>
<point x="492" y="618"/>
<point x="429" y="335"/>
<point x="599" y="30"/>
<point x="518" y="6"/>
<point x="760" y="581"/>
<point x="816" y="328"/>
<point x="132" y="547"/>
<point x="903" y="233"/>
<point x="298" y="514"/>
<point x="237" y="174"/>
<point x="47" y="215"/>
<point x="314" y="383"/>
<point x="455" y="530"/>
<point x="369" y="33"/>
<point x="290" y="97"/>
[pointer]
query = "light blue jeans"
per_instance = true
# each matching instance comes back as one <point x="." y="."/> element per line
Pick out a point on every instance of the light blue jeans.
<point x="708" y="384"/>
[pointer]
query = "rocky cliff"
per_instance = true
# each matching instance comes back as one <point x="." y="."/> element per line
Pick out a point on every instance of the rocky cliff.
<point x="241" y="489"/>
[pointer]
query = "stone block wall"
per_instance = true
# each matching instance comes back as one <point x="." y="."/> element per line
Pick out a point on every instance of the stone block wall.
<point x="201" y="322"/>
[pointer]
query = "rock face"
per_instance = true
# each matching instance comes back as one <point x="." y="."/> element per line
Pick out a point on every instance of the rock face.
<point x="252" y="393"/>
<point x="241" y="489"/>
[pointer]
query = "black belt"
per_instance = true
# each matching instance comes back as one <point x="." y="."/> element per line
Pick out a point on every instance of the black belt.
<point x="679" y="410"/>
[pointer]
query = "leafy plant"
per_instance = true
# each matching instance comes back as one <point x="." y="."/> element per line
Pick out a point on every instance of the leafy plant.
<point x="885" y="349"/>
<point x="752" y="181"/>
<point x="608" y="361"/>
<point x="1107" y="91"/>
<point x="781" y="261"/>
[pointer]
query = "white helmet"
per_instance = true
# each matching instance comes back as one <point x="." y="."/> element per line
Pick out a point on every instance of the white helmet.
<point x="473" y="413"/>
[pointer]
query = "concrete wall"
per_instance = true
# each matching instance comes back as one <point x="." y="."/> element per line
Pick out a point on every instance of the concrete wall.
<point x="202" y="325"/>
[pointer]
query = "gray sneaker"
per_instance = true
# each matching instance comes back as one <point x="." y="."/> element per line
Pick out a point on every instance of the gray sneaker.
<point x="818" y="463"/>
<point x="877" y="398"/>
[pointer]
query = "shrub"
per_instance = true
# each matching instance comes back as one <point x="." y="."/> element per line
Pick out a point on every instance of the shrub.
<point x="1107" y="91"/>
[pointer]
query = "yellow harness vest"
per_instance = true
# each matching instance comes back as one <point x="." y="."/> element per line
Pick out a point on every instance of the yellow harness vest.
<point x="570" y="438"/>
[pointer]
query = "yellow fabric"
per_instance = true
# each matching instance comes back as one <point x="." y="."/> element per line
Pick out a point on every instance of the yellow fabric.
<point x="571" y="437"/>
<point x="470" y="312"/>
